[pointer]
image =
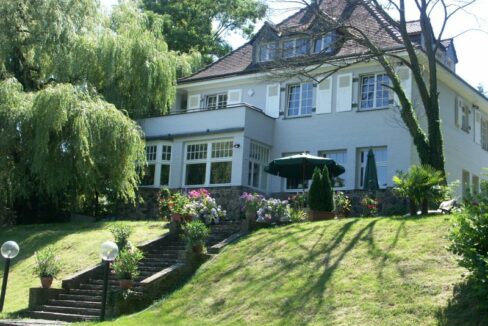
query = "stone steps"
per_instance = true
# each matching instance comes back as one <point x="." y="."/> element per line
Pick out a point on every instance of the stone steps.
<point x="70" y="310"/>
<point x="74" y="303"/>
<point x="61" y="316"/>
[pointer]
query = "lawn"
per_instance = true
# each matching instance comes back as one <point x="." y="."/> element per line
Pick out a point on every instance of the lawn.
<point x="378" y="271"/>
<point x="78" y="248"/>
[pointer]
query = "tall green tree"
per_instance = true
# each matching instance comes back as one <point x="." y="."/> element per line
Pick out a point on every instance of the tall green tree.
<point x="201" y="25"/>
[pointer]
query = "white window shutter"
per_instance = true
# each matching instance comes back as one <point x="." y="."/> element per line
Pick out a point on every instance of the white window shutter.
<point x="477" y="127"/>
<point x="405" y="76"/>
<point x="194" y="102"/>
<point x="344" y="93"/>
<point x="456" y="112"/>
<point x="273" y="100"/>
<point x="324" y="96"/>
<point x="234" y="96"/>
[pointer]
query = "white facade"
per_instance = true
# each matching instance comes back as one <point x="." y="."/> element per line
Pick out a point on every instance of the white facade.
<point x="261" y="115"/>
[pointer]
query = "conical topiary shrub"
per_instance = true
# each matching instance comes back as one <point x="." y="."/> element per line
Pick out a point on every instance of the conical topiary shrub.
<point x="321" y="197"/>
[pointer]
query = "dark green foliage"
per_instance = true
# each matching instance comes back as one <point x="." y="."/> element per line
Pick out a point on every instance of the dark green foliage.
<point x="327" y="190"/>
<point x="190" y="25"/>
<point x="321" y="196"/>
<point x="126" y="266"/>
<point x="469" y="236"/>
<point x="195" y="233"/>
<point x="121" y="234"/>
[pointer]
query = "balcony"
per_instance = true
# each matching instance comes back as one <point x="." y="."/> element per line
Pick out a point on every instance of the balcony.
<point x="233" y="118"/>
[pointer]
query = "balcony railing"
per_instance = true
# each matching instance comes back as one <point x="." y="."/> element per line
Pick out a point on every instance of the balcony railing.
<point x="205" y="109"/>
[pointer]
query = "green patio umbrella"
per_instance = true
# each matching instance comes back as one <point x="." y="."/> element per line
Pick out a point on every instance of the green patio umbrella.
<point x="302" y="166"/>
<point x="371" y="174"/>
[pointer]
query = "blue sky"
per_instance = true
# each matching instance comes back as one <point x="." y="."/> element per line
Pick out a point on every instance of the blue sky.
<point x="472" y="46"/>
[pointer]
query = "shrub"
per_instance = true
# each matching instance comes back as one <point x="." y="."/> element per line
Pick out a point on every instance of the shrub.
<point x="274" y="211"/>
<point x="343" y="203"/>
<point x="469" y="236"/>
<point x="370" y="206"/>
<point x="298" y="215"/>
<point x="164" y="203"/>
<point x="195" y="233"/>
<point x="205" y="207"/>
<point x="126" y="264"/>
<point x="298" y="201"/>
<point x="47" y="263"/>
<point x="321" y="197"/>
<point x="121" y="234"/>
<point x="251" y="202"/>
<point x="421" y="185"/>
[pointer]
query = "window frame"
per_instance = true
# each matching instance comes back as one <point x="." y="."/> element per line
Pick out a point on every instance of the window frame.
<point x="270" y="51"/>
<point x="375" y="92"/>
<point x="324" y="153"/>
<point x="219" y="103"/>
<point x="158" y="162"/>
<point x="465" y="115"/>
<point x="208" y="160"/>
<point x="361" y="166"/>
<point x="300" y="100"/>
<point x="258" y="155"/>
<point x="484" y="133"/>
<point x="331" y="46"/>
<point x="294" y="53"/>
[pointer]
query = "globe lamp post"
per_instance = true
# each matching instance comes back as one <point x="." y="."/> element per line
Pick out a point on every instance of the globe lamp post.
<point x="9" y="250"/>
<point x="108" y="251"/>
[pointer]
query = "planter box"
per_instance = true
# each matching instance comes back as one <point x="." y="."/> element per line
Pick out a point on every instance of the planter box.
<point x="320" y="215"/>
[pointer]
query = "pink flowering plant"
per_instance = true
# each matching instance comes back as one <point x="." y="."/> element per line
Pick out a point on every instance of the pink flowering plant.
<point x="205" y="207"/>
<point x="252" y="201"/>
<point x="273" y="211"/>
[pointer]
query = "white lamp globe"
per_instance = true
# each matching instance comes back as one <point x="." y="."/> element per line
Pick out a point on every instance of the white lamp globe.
<point x="109" y="251"/>
<point x="10" y="249"/>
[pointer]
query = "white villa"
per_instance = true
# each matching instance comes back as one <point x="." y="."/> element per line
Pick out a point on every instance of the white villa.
<point x="231" y="118"/>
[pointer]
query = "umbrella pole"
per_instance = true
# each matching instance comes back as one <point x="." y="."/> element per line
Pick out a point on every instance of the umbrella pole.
<point x="303" y="177"/>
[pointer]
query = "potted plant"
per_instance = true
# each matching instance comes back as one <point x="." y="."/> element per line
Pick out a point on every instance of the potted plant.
<point x="343" y="204"/>
<point x="126" y="266"/>
<point x="320" y="196"/>
<point x="251" y="203"/>
<point x="47" y="266"/>
<point x="370" y="206"/>
<point x="121" y="234"/>
<point x="196" y="233"/>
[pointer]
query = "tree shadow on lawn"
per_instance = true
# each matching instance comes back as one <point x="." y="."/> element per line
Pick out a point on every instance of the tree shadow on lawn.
<point x="467" y="307"/>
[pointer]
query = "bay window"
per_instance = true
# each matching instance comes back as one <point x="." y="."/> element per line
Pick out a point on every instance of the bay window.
<point x="158" y="158"/>
<point x="374" y="94"/>
<point x="300" y="99"/>
<point x="208" y="163"/>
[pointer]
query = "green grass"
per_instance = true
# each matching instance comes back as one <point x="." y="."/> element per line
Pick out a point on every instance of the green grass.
<point x="77" y="246"/>
<point x="378" y="271"/>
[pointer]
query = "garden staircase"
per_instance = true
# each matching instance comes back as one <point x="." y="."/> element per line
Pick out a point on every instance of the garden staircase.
<point x="83" y="302"/>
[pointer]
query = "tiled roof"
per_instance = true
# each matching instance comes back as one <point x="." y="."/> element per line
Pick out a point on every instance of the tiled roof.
<point x="364" y="17"/>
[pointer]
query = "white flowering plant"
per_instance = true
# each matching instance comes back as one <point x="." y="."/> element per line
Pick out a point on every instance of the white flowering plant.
<point x="274" y="211"/>
<point x="205" y="207"/>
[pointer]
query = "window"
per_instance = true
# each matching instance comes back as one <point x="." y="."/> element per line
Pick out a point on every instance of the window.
<point x="218" y="101"/>
<point x="267" y="52"/>
<point x="381" y="159"/>
<point x="465" y="125"/>
<point x="208" y="163"/>
<point x="325" y="44"/>
<point x="300" y="99"/>
<point x="159" y="161"/>
<point x="476" y="184"/>
<point x="374" y="95"/>
<point x="295" y="184"/>
<point x="465" y="183"/>
<point x="258" y="158"/>
<point x="484" y="134"/>
<point x="295" y="48"/>
<point x="340" y="157"/>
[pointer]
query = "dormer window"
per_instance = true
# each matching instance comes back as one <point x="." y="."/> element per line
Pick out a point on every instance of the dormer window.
<point x="295" y="48"/>
<point x="326" y="43"/>
<point x="267" y="52"/>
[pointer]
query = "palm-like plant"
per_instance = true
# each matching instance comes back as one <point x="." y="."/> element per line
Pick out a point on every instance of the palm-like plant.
<point x="421" y="184"/>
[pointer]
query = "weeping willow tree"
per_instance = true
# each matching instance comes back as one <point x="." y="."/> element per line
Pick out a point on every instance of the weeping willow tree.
<point x="67" y="145"/>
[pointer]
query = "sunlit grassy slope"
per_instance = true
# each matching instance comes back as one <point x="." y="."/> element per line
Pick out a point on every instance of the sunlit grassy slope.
<point x="77" y="246"/>
<point x="380" y="271"/>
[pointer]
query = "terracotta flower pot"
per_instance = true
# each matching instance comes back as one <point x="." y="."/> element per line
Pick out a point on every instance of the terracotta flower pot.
<point x="320" y="215"/>
<point x="198" y="248"/>
<point x="46" y="282"/>
<point x="125" y="284"/>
